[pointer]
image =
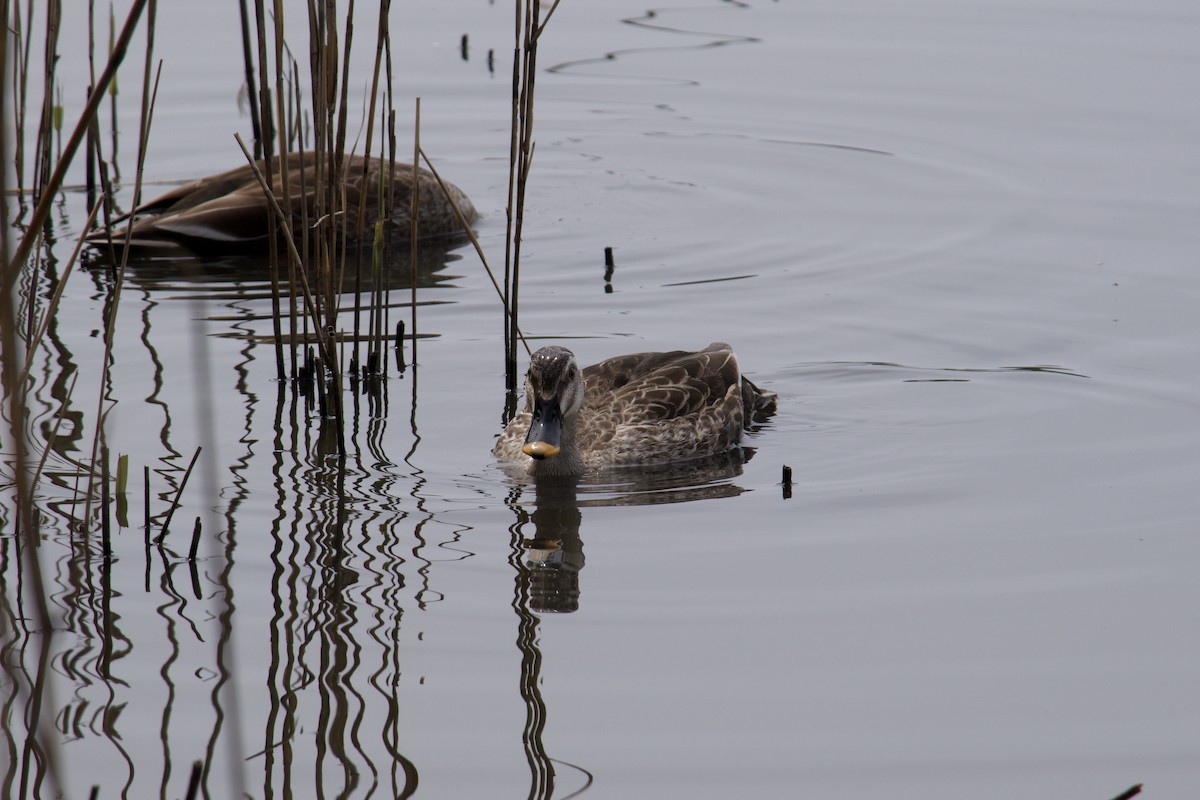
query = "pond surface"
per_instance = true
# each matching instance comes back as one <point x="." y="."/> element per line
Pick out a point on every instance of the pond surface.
<point x="959" y="239"/>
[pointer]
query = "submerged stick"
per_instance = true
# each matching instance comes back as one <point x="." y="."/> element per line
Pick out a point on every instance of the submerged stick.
<point x="146" y="507"/>
<point x="178" y="494"/>
<point x="149" y="95"/>
<point x="193" y="787"/>
<point x="195" y="540"/>
<point x="105" y="509"/>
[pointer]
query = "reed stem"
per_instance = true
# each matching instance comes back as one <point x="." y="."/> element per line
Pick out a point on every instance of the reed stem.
<point x="46" y="199"/>
<point x="529" y="27"/>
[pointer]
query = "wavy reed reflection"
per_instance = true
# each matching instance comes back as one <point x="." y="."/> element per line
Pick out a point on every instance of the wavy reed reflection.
<point x="350" y="561"/>
<point x="340" y="569"/>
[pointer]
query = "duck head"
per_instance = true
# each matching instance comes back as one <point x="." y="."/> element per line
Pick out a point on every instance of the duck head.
<point x="553" y="395"/>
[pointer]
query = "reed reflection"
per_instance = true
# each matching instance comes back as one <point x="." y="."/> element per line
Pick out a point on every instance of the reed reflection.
<point x="346" y="564"/>
<point x="343" y="573"/>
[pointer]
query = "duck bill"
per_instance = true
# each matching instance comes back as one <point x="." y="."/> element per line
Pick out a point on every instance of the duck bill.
<point x="545" y="431"/>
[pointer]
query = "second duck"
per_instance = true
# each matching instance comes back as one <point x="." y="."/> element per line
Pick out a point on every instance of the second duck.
<point x="228" y="212"/>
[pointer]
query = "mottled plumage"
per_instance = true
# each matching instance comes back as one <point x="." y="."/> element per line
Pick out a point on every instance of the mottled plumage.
<point x="229" y="212"/>
<point x="644" y="408"/>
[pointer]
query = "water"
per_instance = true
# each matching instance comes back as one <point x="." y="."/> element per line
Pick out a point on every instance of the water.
<point x="957" y="239"/>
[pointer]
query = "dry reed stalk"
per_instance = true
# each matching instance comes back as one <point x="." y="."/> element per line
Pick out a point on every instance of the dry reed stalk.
<point x="149" y="94"/>
<point x="42" y="151"/>
<point x="293" y="265"/>
<point x="251" y="91"/>
<point x="48" y="187"/>
<point x="112" y="95"/>
<point x="95" y="160"/>
<point x="414" y="209"/>
<point x="281" y="131"/>
<point x="263" y="141"/>
<point x="315" y="286"/>
<point x="528" y="28"/>
<point x="326" y="259"/>
<point x="328" y="354"/>
<point x="388" y="191"/>
<point x="92" y="152"/>
<point x="46" y="199"/>
<point x="39" y="736"/>
<point x="20" y="85"/>
<point x="510" y="358"/>
<point x="380" y="42"/>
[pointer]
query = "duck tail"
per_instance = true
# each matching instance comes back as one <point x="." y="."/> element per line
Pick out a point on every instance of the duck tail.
<point x="759" y="403"/>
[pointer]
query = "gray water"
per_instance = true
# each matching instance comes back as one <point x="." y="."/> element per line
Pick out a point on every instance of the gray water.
<point x="960" y="240"/>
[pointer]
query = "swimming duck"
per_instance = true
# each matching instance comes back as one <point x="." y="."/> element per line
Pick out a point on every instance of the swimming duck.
<point x="229" y="212"/>
<point x="644" y="408"/>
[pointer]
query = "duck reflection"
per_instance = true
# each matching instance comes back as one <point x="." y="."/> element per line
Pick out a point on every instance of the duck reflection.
<point x="554" y="551"/>
<point x="549" y="535"/>
<point x="237" y="273"/>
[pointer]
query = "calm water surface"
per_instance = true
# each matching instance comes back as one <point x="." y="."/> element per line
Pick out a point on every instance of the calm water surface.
<point x="958" y="239"/>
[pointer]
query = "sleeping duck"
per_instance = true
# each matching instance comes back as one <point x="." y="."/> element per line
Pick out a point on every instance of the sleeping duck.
<point x="228" y="212"/>
<point x="644" y="408"/>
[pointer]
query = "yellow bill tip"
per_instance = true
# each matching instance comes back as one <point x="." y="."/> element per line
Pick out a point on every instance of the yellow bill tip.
<point x="540" y="450"/>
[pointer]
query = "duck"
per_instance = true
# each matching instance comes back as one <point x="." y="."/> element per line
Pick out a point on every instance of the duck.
<point x="228" y="212"/>
<point x="637" y="409"/>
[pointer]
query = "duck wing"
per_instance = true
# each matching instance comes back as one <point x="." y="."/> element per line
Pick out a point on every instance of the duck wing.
<point x="657" y="386"/>
<point x="663" y="406"/>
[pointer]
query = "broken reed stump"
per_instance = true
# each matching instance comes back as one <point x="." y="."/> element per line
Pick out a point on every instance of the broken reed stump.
<point x="400" y="346"/>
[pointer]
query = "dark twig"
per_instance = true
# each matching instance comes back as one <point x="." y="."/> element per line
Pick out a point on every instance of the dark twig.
<point x="193" y="789"/>
<point x="195" y="540"/>
<point x="178" y="494"/>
